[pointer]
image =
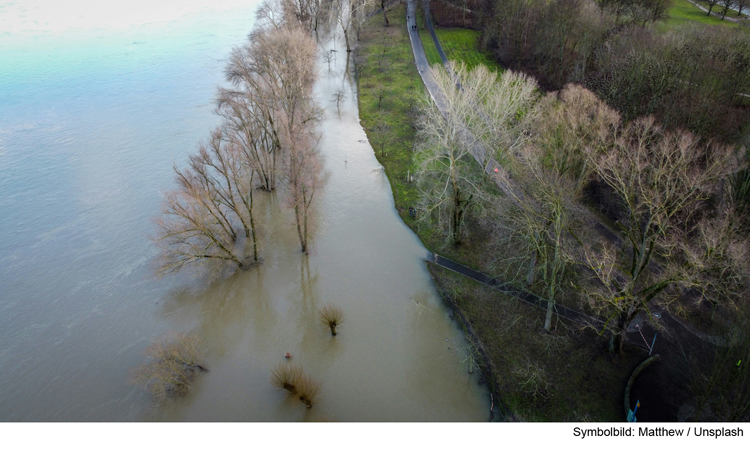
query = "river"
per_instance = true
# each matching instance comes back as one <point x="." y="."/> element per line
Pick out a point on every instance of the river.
<point x="91" y="120"/>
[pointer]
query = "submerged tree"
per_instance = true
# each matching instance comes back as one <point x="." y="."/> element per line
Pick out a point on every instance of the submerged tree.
<point x="271" y="101"/>
<point x="212" y="207"/>
<point x="272" y="113"/>
<point x="350" y="15"/>
<point x="303" y="178"/>
<point x="332" y="316"/>
<point x="171" y="365"/>
<point x="294" y="380"/>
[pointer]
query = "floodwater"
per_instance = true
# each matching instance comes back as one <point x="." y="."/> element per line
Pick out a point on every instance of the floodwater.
<point x="91" y="120"/>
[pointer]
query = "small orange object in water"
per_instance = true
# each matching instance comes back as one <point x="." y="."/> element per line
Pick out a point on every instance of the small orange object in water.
<point x="495" y="170"/>
<point x="287" y="355"/>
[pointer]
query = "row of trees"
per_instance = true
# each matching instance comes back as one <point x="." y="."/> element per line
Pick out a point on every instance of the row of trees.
<point x="267" y="135"/>
<point x="666" y="190"/>
<point x="726" y="6"/>
<point x="349" y="15"/>
<point x="687" y="77"/>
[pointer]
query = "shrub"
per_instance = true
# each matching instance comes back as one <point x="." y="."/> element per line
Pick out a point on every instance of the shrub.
<point x="332" y="316"/>
<point x="170" y="367"/>
<point x="294" y="380"/>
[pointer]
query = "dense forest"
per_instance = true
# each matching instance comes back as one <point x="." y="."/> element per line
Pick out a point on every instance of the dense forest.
<point x="692" y="76"/>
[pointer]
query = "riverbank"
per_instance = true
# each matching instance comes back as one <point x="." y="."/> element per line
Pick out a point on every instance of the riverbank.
<point x="563" y="376"/>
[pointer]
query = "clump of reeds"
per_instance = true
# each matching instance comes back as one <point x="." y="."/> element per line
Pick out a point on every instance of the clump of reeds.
<point x="170" y="367"/>
<point x="287" y="377"/>
<point x="308" y="390"/>
<point x="292" y="379"/>
<point x="332" y="316"/>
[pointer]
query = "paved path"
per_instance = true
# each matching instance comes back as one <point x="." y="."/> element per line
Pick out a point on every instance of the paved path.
<point x="477" y="150"/>
<point x="428" y="18"/>
<point x="717" y="14"/>
<point x="523" y="295"/>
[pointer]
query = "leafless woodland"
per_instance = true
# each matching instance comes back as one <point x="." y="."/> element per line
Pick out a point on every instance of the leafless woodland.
<point x="267" y="135"/>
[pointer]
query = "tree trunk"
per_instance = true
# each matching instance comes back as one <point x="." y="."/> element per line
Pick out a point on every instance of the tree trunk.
<point x="252" y="227"/>
<point x="532" y="266"/>
<point x="548" y="318"/>
<point x="619" y="334"/>
<point x="346" y="39"/>
<point x="299" y="229"/>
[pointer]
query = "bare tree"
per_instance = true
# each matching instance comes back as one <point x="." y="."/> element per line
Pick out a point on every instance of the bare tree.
<point x="328" y="57"/>
<point x="538" y="230"/>
<point x="222" y="170"/>
<point x="273" y="112"/>
<point x="303" y="178"/>
<point x="497" y="109"/>
<point x="171" y="366"/>
<point x="450" y="182"/>
<point x="350" y="15"/>
<point x="338" y="97"/>
<point x="740" y="4"/>
<point x="727" y="5"/>
<point x="250" y="124"/>
<point x="384" y="7"/>
<point x="272" y="14"/>
<point x="272" y="78"/>
<point x="382" y="133"/>
<point x="710" y="4"/>
<point x="661" y="179"/>
<point x="573" y="125"/>
<point x="213" y="204"/>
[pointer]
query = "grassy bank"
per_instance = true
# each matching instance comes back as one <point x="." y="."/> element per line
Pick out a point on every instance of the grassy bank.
<point x="683" y="12"/>
<point x="563" y="376"/>
<point x="389" y="88"/>
<point x="459" y="44"/>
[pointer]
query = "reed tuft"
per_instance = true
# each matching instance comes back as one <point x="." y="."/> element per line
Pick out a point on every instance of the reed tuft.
<point x="287" y="377"/>
<point x="308" y="390"/>
<point x="332" y="316"/>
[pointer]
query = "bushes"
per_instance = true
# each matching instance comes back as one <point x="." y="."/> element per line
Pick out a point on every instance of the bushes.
<point x="332" y="316"/>
<point x="294" y="380"/>
<point x="171" y="365"/>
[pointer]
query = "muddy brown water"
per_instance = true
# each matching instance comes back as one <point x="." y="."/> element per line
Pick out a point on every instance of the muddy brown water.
<point x="90" y="123"/>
